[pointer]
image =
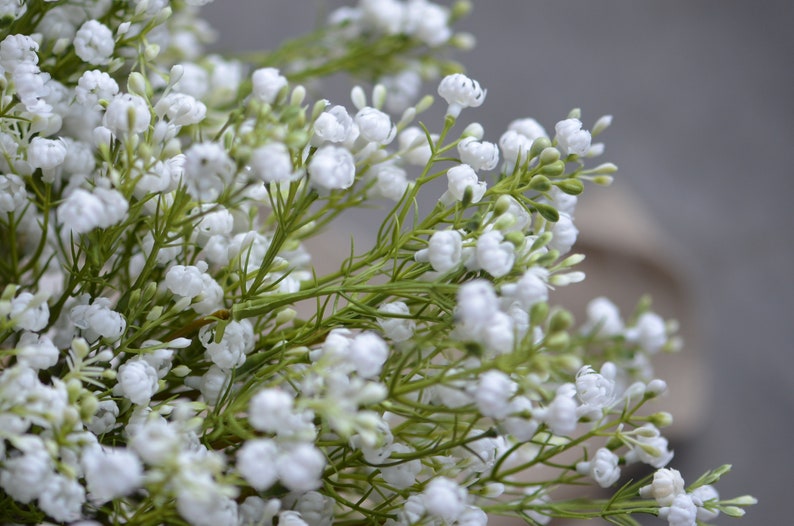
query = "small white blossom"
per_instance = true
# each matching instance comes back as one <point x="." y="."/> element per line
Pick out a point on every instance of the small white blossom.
<point x="493" y="393"/>
<point x="127" y="114"/>
<point x="93" y="86"/>
<point x="13" y="196"/>
<point x="16" y="50"/>
<point x="230" y="351"/>
<point x="402" y="475"/>
<point x="111" y="473"/>
<point x="291" y="518"/>
<point x="596" y="391"/>
<point x="494" y="255"/>
<point x="36" y="351"/>
<point x="445" y="499"/>
<point x="156" y="441"/>
<point x="332" y="168"/>
<point x="32" y="85"/>
<point x="256" y="462"/>
<point x="649" y="447"/>
<point x="681" y="512"/>
<point x="93" y="43"/>
<point x="515" y="148"/>
<point x="529" y="128"/>
<point x="397" y="329"/>
<point x="459" y="179"/>
<point x="215" y="221"/>
<point x="700" y="496"/>
<point x="300" y="467"/>
<point x="560" y="415"/>
<point x="334" y="125"/>
<point x="498" y="334"/>
<point x="603" y="317"/>
<point x="564" y="234"/>
<point x="390" y="181"/>
<point x="667" y="484"/>
<point x="650" y="332"/>
<point x="185" y="280"/>
<point x="137" y="381"/>
<point x="428" y="22"/>
<point x="105" y="417"/>
<point x="375" y="126"/>
<point x="46" y="153"/>
<point x="402" y="89"/>
<point x="532" y="288"/>
<point x="29" y="312"/>
<point x="181" y="109"/>
<point x="562" y="202"/>
<point x="255" y="511"/>
<point x="444" y="250"/>
<point x="208" y="170"/>
<point x="603" y="467"/>
<point x="25" y="476"/>
<point x="414" y="147"/>
<point x="316" y="509"/>
<point x="62" y="498"/>
<point x="571" y="138"/>
<point x="267" y="83"/>
<point x="270" y="410"/>
<point x="98" y="320"/>
<point x="460" y="92"/>
<point x="479" y="155"/>
<point x="368" y="353"/>
<point x="386" y="16"/>
<point x="477" y="301"/>
<point x="472" y="516"/>
<point x="272" y="163"/>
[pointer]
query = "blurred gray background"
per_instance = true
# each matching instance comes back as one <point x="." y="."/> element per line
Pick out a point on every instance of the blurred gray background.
<point x="701" y="92"/>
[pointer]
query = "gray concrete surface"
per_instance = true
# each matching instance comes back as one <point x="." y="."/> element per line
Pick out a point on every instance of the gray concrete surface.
<point x="702" y="94"/>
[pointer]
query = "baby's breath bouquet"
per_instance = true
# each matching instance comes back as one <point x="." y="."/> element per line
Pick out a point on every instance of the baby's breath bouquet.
<point x="170" y="354"/>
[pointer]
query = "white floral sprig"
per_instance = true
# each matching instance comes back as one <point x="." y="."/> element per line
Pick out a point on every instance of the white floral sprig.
<point x="169" y="354"/>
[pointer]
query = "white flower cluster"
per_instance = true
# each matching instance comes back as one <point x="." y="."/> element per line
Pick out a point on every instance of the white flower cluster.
<point x="168" y="350"/>
<point x="679" y="507"/>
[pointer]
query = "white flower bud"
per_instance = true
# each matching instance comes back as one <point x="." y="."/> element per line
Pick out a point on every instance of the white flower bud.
<point x="137" y="381"/>
<point x="256" y="462"/>
<point x="368" y="353"/>
<point x="46" y="153"/>
<point x="93" y="43"/>
<point x="334" y="125"/>
<point x="494" y="255"/>
<point x="445" y="499"/>
<point x="273" y="163"/>
<point x="332" y="168"/>
<point x="603" y="467"/>
<point x="493" y="393"/>
<point x="29" y="312"/>
<point x="460" y="92"/>
<point x="397" y="329"/>
<point x="375" y="126"/>
<point x="459" y="178"/>
<point x="414" y="147"/>
<point x="267" y="83"/>
<point x="571" y="138"/>
<point x="300" y="468"/>
<point x="208" y="170"/>
<point x="478" y="155"/>
<point x="126" y="114"/>
<point x="110" y="473"/>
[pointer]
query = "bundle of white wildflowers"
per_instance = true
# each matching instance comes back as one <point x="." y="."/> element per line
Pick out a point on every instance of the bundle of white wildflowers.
<point x="169" y="355"/>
